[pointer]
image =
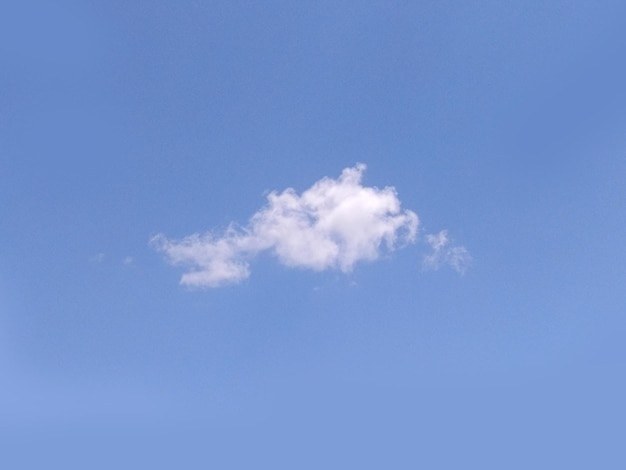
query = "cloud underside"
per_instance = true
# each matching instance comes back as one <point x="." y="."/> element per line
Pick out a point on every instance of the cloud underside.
<point x="332" y="225"/>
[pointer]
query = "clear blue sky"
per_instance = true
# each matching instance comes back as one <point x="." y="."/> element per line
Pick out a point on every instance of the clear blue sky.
<point x="301" y="338"/>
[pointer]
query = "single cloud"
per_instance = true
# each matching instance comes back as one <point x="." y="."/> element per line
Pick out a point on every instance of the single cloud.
<point x="97" y="258"/>
<point x="332" y="225"/>
<point x="443" y="253"/>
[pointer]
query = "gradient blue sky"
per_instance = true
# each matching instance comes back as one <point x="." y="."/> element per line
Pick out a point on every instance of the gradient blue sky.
<point x="502" y="122"/>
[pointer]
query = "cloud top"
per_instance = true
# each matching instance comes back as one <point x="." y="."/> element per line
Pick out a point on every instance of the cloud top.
<point x="334" y="224"/>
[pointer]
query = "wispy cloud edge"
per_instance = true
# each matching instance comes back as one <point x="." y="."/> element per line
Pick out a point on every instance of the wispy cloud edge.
<point x="455" y="256"/>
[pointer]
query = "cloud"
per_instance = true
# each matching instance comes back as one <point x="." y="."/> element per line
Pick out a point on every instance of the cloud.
<point x="97" y="258"/>
<point x="334" y="224"/>
<point x="443" y="253"/>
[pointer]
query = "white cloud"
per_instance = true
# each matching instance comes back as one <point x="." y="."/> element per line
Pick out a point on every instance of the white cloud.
<point x="332" y="225"/>
<point x="443" y="253"/>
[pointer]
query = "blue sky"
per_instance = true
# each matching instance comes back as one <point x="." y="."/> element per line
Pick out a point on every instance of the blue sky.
<point x="318" y="326"/>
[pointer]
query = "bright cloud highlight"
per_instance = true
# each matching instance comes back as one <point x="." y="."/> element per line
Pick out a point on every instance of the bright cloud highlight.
<point x="332" y="225"/>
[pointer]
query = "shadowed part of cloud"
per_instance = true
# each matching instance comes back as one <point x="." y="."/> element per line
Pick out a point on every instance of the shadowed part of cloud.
<point x="332" y="225"/>
<point x="443" y="253"/>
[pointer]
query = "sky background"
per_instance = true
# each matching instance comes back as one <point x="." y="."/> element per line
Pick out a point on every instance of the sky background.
<point x="501" y="122"/>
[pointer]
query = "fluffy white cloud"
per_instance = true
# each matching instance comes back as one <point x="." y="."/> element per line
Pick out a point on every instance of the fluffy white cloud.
<point x="443" y="253"/>
<point x="332" y="225"/>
